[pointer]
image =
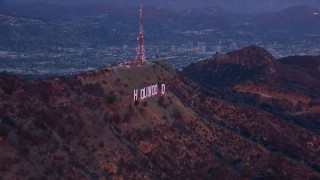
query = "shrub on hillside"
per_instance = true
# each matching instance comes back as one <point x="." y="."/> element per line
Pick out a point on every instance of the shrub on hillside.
<point x="246" y="171"/>
<point x="145" y="103"/>
<point x="177" y="113"/>
<point x="161" y="102"/>
<point x="23" y="148"/>
<point x="92" y="103"/>
<point x="93" y="89"/>
<point x="6" y="126"/>
<point x="81" y="123"/>
<point x="142" y="111"/>
<point x="114" y="118"/>
<point x="127" y="117"/>
<point x="8" y="89"/>
<point x="111" y="97"/>
<point x="71" y="81"/>
<point x="62" y="132"/>
<point x="9" y="121"/>
<point x="101" y="144"/>
<point x="52" y="119"/>
<point x="117" y="82"/>
<point x="4" y="130"/>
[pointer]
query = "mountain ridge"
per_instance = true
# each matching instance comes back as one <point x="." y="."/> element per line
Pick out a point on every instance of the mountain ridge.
<point x="289" y="18"/>
<point x="283" y="87"/>
<point x="234" y="5"/>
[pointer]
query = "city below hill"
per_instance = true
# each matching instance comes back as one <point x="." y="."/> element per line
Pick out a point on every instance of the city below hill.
<point x="43" y="39"/>
<point x="243" y="114"/>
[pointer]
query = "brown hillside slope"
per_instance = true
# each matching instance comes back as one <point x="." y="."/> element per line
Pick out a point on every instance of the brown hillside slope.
<point x="288" y="88"/>
<point x="91" y="129"/>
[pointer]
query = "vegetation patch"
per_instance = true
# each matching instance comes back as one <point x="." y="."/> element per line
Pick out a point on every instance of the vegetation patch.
<point x="111" y="97"/>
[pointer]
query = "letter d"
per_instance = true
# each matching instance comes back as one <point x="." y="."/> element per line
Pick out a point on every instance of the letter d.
<point x="163" y="89"/>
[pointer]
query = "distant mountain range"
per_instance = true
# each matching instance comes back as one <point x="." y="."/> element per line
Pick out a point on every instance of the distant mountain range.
<point x="248" y="6"/>
<point x="298" y="18"/>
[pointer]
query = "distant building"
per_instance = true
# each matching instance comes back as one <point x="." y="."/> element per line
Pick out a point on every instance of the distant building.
<point x="217" y="49"/>
<point x="233" y="46"/>
<point x="173" y="48"/>
<point x="243" y="44"/>
<point x="315" y="52"/>
<point x="189" y="44"/>
<point x="201" y="47"/>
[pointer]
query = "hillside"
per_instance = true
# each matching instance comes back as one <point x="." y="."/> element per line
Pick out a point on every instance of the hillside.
<point x="89" y="127"/>
<point x="233" y="67"/>
<point x="287" y="87"/>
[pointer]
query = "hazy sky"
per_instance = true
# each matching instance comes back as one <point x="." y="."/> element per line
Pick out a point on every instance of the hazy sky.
<point x="232" y="5"/>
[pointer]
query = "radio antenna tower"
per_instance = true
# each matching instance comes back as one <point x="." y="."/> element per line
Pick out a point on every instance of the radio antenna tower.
<point x="141" y="52"/>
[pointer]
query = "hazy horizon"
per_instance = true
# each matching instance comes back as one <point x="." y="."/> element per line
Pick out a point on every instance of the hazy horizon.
<point x="248" y="6"/>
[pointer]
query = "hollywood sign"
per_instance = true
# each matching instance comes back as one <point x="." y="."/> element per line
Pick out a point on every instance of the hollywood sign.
<point x="149" y="91"/>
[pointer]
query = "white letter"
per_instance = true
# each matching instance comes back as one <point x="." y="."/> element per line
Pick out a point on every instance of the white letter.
<point x="143" y="94"/>
<point x="163" y="89"/>
<point x="155" y="90"/>
<point x="149" y="90"/>
<point x="135" y="95"/>
<point x="152" y="91"/>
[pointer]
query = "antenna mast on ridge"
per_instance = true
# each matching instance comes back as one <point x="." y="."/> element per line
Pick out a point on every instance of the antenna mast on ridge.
<point x="141" y="52"/>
